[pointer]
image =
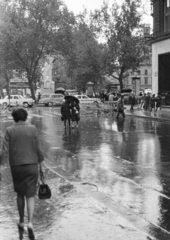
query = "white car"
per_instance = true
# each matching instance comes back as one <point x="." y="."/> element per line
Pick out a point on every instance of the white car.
<point x="16" y="100"/>
<point x="85" y="99"/>
<point x="51" y="99"/>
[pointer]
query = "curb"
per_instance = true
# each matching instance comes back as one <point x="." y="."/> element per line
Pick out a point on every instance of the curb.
<point x="149" y="117"/>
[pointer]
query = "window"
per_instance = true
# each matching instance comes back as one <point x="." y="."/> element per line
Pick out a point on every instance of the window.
<point x="139" y="72"/>
<point x="166" y="15"/>
<point x="146" y="80"/>
<point x="15" y="97"/>
<point x="146" y="72"/>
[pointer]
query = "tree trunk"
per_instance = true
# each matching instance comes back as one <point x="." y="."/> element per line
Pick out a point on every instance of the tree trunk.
<point x="121" y="78"/>
<point x="31" y="85"/>
<point x="121" y="81"/>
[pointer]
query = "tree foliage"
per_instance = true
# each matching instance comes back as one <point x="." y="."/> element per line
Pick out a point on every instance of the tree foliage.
<point x="84" y="57"/>
<point x="121" y="28"/>
<point x="28" y="30"/>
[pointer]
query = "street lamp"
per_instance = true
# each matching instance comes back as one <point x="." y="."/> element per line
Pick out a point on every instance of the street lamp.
<point x="134" y="80"/>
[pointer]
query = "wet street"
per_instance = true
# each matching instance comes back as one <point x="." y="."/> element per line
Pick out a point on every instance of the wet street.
<point x="109" y="179"/>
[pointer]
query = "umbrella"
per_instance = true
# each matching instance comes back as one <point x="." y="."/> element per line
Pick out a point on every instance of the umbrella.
<point x="71" y="98"/>
<point x="126" y="90"/>
<point x="60" y="90"/>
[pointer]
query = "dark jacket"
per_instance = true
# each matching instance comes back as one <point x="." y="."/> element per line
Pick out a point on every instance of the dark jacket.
<point x="65" y="110"/>
<point x="22" y="143"/>
<point x="132" y="99"/>
<point x="74" y="115"/>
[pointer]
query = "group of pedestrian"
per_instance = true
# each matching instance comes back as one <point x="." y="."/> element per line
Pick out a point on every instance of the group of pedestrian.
<point x="70" y="112"/>
<point x="149" y="103"/>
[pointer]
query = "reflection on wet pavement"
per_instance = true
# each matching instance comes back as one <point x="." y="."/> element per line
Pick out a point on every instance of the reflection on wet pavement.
<point x="127" y="160"/>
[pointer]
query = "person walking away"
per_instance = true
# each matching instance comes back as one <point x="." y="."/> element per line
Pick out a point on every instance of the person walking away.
<point x="65" y="112"/>
<point x="147" y="101"/>
<point x="120" y="106"/>
<point x="21" y="144"/>
<point x="158" y="102"/>
<point x="75" y="113"/>
<point x="132" y="101"/>
<point x="152" y="102"/>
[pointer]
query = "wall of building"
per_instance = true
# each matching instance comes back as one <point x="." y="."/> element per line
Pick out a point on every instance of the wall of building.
<point x="158" y="48"/>
<point x="144" y="74"/>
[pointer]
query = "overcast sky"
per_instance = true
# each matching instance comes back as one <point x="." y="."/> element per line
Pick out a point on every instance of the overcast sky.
<point x="77" y="5"/>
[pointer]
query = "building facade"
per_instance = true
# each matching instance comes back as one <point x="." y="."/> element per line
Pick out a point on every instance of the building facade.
<point x="139" y="80"/>
<point x="161" y="46"/>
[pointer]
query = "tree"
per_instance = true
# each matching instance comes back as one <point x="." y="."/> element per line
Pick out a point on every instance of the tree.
<point x="84" y="57"/>
<point x="28" y="30"/>
<point x="125" y="46"/>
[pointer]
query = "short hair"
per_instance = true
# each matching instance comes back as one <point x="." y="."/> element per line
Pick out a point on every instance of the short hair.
<point x="19" y="114"/>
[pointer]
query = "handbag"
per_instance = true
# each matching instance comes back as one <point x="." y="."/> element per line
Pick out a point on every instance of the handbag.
<point x="44" y="191"/>
<point x="62" y="119"/>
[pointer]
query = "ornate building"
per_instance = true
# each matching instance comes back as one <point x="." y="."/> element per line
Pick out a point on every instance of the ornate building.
<point x="161" y="46"/>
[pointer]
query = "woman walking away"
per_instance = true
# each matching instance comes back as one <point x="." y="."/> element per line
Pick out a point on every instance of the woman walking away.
<point x="21" y="143"/>
<point x="65" y="112"/>
<point x="75" y="114"/>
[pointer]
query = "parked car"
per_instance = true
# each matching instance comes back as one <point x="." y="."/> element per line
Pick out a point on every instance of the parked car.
<point x="85" y="99"/>
<point x="15" y="100"/>
<point x="51" y="99"/>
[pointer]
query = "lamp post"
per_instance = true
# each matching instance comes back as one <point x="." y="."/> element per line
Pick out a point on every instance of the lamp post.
<point x="134" y="80"/>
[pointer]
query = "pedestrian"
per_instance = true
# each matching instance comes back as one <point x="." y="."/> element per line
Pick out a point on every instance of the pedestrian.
<point x="39" y="97"/>
<point x="75" y="113"/>
<point x="158" y="102"/>
<point x="147" y="101"/>
<point x="66" y="112"/>
<point x="21" y="143"/>
<point x="132" y="101"/>
<point x="152" y="102"/>
<point x="142" y="100"/>
<point x="120" y="106"/>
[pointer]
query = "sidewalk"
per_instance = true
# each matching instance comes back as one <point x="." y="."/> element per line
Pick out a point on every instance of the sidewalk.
<point x="163" y="115"/>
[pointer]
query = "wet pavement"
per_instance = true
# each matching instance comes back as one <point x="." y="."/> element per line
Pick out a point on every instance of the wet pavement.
<point x="110" y="178"/>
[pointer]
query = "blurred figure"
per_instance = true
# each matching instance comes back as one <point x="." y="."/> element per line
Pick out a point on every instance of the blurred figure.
<point x="132" y="101"/>
<point x="120" y="106"/>
<point x="153" y="101"/>
<point x="142" y="102"/>
<point x="75" y="113"/>
<point x="147" y="101"/>
<point x="65" y="112"/>
<point x="158" y="101"/>
<point x="39" y="97"/>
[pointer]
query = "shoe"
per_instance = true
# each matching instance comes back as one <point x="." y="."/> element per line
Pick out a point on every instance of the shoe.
<point x="31" y="235"/>
<point x="20" y="230"/>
